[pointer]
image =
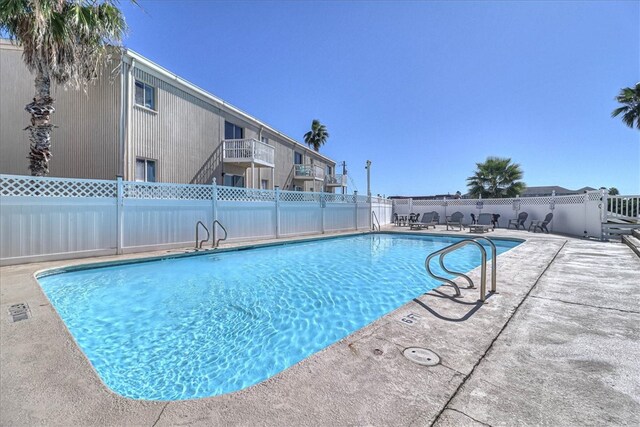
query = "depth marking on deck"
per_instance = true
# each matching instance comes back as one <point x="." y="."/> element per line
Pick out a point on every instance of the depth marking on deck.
<point x="410" y="319"/>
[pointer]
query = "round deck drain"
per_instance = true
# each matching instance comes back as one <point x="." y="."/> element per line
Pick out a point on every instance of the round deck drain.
<point x="421" y="356"/>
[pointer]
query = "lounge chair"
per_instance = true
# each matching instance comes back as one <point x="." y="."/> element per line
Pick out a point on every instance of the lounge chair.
<point x="426" y="222"/>
<point x="473" y="218"/>
<point x="483" y="224"/>
<point x="413" y="218"/>
<point x="395" y="219"/>
<point x="455" y="219"/>
<point x="541" y="224"/>
<point x="522" y="217"/>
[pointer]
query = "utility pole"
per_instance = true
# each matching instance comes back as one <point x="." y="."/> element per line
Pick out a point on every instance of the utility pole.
<point x="368" y="168"/>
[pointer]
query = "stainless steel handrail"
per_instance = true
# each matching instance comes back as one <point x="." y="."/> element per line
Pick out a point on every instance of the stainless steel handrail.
<point x="215" y="243"/>
<point x="199" y="243"/>
<point x="373" y="224"/>
<point x="483" y="267"/>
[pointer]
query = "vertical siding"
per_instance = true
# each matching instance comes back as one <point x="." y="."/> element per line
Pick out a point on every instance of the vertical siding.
<point x="85" y="143"/>
<point x="183" y="135"/>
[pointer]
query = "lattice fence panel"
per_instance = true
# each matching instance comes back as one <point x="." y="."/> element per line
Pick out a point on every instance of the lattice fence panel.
<point x="339" y="198"/>
<point x="594" y="195"/>
<point x="159" y="191"/>
<point x="13" y="185"/>
<point x="299" y="196"/>
<point x="535" y="201"/>
<point x="428" y="202"/>
<point x="570" y="200"/>
<point x="498" y="202"/>
<point x="239" y="194"/>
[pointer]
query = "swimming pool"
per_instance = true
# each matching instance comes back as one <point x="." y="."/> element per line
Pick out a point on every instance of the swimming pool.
<point x="182" y="328"/>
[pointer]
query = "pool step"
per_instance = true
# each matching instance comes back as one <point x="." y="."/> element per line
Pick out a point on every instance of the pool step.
<point x="633" y="242"/>
<point x="636" y="233"/>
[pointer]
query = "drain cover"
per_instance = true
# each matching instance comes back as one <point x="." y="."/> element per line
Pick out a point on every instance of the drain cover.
<point x="19" y="312"/>
<point x="421" y="356"/>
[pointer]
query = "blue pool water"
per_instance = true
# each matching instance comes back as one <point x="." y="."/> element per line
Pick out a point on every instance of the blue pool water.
<point x="206" y="325"/>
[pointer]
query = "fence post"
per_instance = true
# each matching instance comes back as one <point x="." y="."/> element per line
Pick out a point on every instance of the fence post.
<point x="277" y="199"/>
<point x="119" y="215"/>
<point x="410" y="206"/>
<point x="214" y="205"/>
<point x="355" y="200"/>
<point x="322" y="210"/>
<point x="444" y="203"/>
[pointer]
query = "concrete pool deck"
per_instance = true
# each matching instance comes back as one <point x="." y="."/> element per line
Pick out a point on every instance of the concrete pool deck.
<point x="558" y="345"/>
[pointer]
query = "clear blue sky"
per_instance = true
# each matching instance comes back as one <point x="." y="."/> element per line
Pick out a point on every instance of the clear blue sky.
<point x="422" y="89"/>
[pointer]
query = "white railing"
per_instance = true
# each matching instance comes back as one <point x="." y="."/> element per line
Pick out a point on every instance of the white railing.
<point x="308" y="171"/>
<point x="624" y="207"/>
<point x="336" y="180"/>
<point x="247" y="151"/>
<point x="43" y="219"/>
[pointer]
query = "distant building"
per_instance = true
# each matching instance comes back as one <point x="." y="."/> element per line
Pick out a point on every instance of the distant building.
<point x="457" y="195"/>
<point x="547" y="190"/>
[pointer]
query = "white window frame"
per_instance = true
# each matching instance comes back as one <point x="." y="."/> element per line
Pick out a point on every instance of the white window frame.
<point x="145" y="85"/>
<point x="146" y="161"/>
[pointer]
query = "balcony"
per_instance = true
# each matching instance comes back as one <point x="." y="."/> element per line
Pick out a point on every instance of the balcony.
<point x="248" y="153"/>
<point x="336" y="180"/>
<point x="308" y="172"/>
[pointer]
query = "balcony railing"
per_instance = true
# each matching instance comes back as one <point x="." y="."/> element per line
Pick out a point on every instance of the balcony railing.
<point x="247" y="151"/>
<point x="336" y="180"/>
<point x="308" y="172"/>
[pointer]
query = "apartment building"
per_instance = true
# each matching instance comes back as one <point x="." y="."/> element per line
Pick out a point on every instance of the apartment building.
<point x="144" y="123"/>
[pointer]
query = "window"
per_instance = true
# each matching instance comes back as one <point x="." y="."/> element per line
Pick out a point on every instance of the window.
<point x="297" y="158"/>
<point x="232" y="131"/>
<point x="233" y="180"/>
<point x="264" y="184"/>
<point x="264" y="139"/>
<point x="145" y="170"/>
<point x="329" y="171"/>
<point x="145" y="95"/>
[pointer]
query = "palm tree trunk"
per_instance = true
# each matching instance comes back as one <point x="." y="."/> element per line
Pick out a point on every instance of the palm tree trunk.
<point x="40" y="130"/>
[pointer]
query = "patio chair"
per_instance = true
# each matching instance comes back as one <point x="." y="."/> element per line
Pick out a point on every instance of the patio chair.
<point x="486" y="219"/>
<point x="473" y="218"/>
<point x="541" y="224"/>
<point x="418" y="225"/>
<point x="429" y="219"/>
<point x="436" y="218"/>
<point x="395" y="219"/>
<point x="455" y="219"/>
<point x="413" y="218"/>
<point x="517" y="222"/>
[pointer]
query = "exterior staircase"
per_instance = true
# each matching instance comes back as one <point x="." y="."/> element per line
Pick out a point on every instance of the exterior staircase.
<point x="633" y="240"/>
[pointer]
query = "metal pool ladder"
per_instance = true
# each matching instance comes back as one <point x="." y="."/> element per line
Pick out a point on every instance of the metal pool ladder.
<point x="215" y="242"/>
<point x="483" y="271"/>
<point x="198" y="242"/>
<point x="373" y="224"/>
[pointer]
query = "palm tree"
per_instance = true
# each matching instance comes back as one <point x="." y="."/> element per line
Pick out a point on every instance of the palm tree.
<point x="317" y="136"/>
<point x="630" y="111"/>
<point x="64" y="42"/>
<point x="496" y="178"/>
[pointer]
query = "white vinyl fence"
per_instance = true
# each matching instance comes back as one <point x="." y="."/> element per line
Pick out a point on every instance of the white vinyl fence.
<point x="59" y="218"/>
<point x="577" y="215"/>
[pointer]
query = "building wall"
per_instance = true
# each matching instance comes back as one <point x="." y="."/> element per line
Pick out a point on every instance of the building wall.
<point x="85" y="142"/>
<point x="183" y="134"/>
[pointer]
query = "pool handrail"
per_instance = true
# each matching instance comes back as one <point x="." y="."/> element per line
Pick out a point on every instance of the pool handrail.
<point x="373" y="224"/>
<point x="199" y="243"/>
<point x="215" y="243"/>
<point x="483" y="270"/>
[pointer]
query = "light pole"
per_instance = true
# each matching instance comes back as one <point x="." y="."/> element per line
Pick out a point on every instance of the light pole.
<point x="368" y="168"/>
